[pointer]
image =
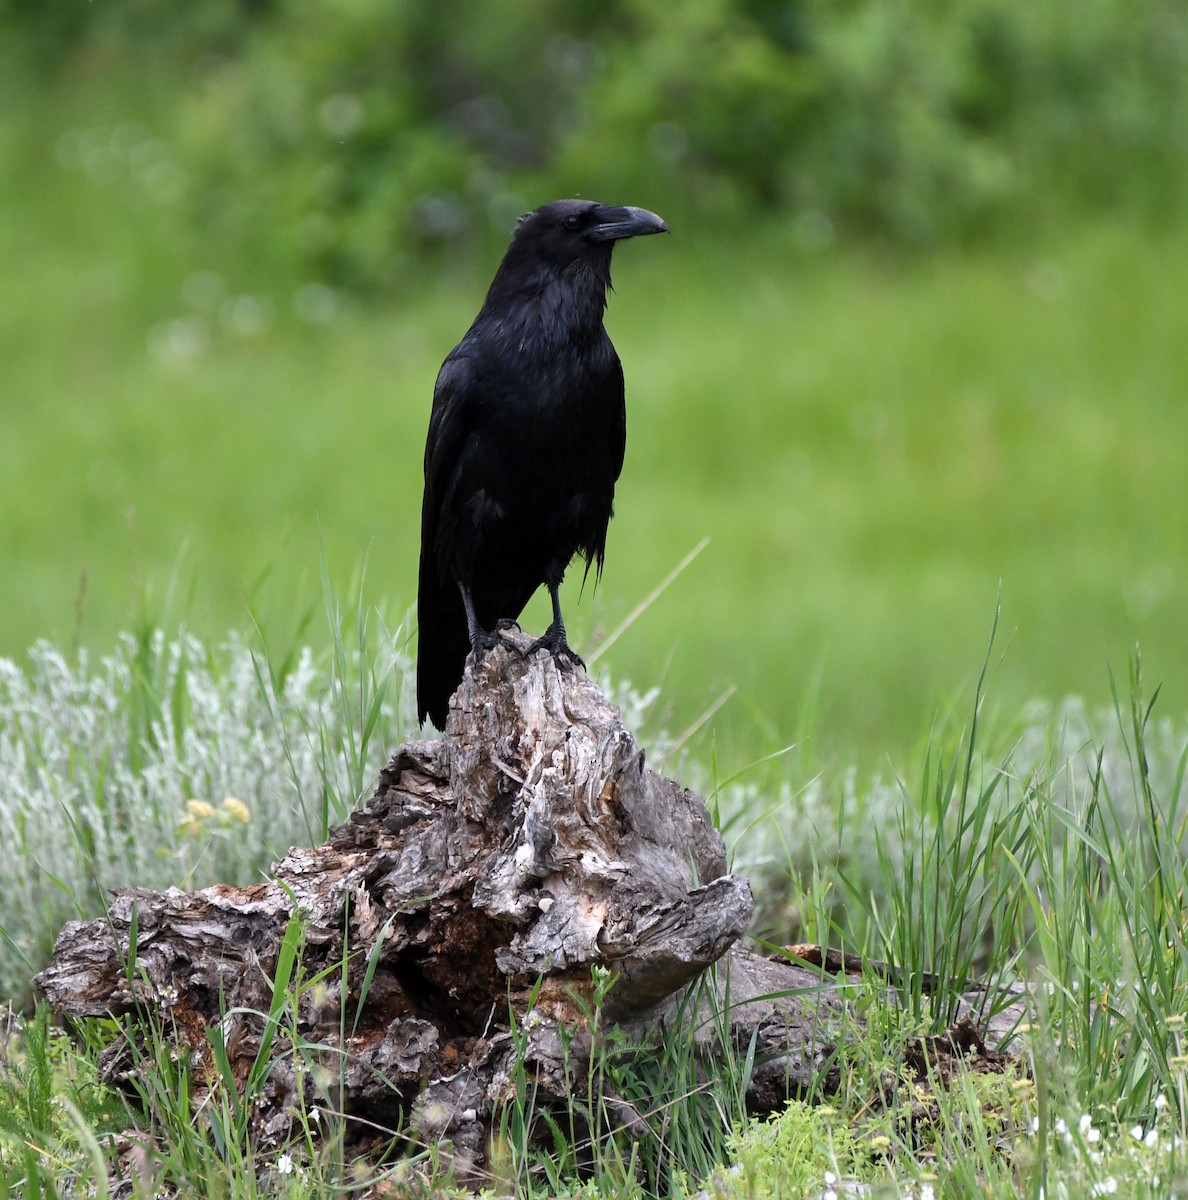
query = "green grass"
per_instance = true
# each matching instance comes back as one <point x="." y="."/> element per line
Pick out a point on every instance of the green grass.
<point x="878" y="449"/>
<point x="874" y="448"/>
<point x="1057" y="856"/>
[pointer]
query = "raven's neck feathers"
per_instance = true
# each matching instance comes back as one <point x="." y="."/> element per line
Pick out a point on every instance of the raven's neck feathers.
<point x="562" y="304"/>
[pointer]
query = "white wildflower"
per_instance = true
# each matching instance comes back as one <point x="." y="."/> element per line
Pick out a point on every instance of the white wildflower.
<point x="1087" y="1131"/>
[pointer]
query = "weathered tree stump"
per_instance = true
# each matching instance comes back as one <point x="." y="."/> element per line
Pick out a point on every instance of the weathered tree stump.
<point x="490" y="872"/>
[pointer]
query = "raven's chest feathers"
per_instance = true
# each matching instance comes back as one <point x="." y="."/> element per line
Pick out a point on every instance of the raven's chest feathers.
<point x="543" y="451"/>
<point x="542" y="388"/>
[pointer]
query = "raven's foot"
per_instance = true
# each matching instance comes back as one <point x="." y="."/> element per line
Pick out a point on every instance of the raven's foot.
<point x="482" y="641"/>
<point x="553" y="640"/>
<point x="506" y="623"/>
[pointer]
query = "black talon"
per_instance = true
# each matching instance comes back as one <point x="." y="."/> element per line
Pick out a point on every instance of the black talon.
<point x="553" y="638"/>
<point x="554" y="642"/>
<point x="482" y="641"/>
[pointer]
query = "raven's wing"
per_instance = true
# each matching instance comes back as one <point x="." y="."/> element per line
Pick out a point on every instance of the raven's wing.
<point x="618" y="426"/>
<point x="442" y="638"/>
<point x="614" y="400"/>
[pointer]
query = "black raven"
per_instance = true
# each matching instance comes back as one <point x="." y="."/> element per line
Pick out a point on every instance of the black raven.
<point x="526" y="440"/>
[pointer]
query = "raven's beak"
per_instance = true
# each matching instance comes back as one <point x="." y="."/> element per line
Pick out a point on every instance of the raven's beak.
<point x="620" y="221"/>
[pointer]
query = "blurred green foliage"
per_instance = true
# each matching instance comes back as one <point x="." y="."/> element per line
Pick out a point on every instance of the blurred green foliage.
<point x="347" y="135"/>
<point x="917" y="332"/>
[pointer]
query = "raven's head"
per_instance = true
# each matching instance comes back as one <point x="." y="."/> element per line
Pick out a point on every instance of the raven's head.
<point x="569" y="230"/>
<point x="563" y="249"/>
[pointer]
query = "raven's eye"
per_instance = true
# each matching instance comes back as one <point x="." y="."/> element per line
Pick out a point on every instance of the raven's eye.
<point x="572" y="221"/>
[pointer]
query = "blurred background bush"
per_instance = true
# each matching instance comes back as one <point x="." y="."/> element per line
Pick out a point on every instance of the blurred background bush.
<point x="348" y="136"/>
<point x="917" y="332"/>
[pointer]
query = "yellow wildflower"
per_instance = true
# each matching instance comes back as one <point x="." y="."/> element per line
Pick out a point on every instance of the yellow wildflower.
<point x="237" y="809"/>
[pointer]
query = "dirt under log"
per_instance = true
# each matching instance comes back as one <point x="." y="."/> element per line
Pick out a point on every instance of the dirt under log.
<point x="489" y="874"/>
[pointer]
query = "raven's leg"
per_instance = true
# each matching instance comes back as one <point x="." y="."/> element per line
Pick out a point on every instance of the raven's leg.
<point x="480" y="639"/>
<point x="553" y="639"/>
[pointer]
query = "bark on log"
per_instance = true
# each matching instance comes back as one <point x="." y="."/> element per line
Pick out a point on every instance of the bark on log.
<point x="490" y="872"/>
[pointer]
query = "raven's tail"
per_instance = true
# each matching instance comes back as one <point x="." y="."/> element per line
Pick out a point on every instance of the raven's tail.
<point x="442" y="645"/>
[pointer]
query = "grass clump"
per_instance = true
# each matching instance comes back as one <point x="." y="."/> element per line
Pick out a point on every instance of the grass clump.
<point x="644" y="1116"/>
<point x="802" y="1151"/>
<point x="54" y="1112"/>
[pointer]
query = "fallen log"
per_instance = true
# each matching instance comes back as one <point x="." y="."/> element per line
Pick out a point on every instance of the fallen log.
<point x="458" y="926"/>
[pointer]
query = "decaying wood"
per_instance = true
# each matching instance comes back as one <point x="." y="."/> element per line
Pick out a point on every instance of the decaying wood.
<point x="489" y="874"/>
